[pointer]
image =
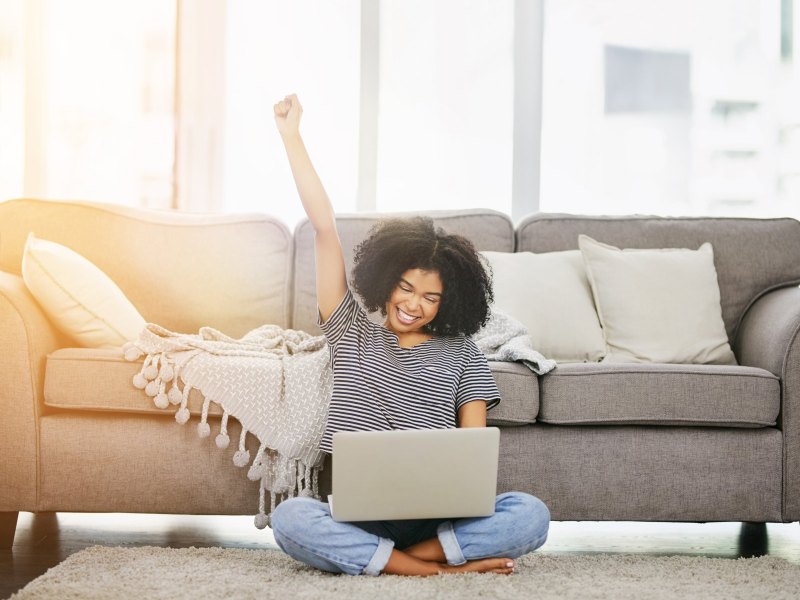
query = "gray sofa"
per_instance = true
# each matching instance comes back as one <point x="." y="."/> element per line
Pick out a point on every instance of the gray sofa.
<point x="650" y="442"/>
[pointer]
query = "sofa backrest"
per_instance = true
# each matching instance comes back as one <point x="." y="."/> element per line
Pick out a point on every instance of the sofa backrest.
<point x="752" y="256"/>
<point x="487" y="229"/>
<point x="180" y="270"/>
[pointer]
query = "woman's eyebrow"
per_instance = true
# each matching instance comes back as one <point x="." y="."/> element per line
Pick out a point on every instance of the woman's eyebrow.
<point x="409" y="284"/>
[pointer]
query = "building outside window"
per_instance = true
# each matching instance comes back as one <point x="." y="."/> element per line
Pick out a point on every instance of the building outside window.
<point x="670" y="107"/>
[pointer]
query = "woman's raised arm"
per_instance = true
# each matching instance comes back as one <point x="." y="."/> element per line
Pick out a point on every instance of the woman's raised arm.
<point x="331" y="274"/>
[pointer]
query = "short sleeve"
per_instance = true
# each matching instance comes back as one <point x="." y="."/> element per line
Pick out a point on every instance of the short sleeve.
<point x="477" y="381"/>
<point x="341" y="319"/>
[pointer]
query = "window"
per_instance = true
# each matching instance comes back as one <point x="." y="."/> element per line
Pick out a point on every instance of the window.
<point x="442" y="137"/>
<point x="446" y="105"/>
<point x="87" y="100"/>
<point x="670" y="107"/>
<point x="273" y="49"/>
<point x="12" y="99"/>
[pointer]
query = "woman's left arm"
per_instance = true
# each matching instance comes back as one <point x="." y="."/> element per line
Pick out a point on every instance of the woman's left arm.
<point x="472" y="414"/>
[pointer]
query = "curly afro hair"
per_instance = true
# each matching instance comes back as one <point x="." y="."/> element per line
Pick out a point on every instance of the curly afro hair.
<point x="396" y="245"/>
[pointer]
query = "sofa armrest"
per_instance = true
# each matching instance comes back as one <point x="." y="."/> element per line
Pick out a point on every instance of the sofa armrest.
<point x="26" y="338"/>
<point x="769" y="337"/>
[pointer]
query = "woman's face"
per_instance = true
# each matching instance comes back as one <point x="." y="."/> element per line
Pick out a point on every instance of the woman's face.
<point x="415" y="301"/>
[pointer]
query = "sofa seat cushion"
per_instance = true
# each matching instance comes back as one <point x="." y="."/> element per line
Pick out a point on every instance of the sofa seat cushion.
<point x="519" y="391"/>
<point x="659" y="394"/>
<point x="101" y="379"/>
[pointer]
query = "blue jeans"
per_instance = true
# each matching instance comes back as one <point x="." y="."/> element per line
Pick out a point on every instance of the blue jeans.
<point x="305" y="530"/>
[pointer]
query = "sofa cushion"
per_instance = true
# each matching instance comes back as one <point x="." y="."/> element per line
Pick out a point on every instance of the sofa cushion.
<point x="659" y="394"/>
<point x="519" y="391"/>
<point x="487" y="229"/>
<point x="81" y="301"/>
<point x="101" y="379"/>
<point x="657" y="305"/>
<point x="751" y="256"/>
<point x="549" y="294"/>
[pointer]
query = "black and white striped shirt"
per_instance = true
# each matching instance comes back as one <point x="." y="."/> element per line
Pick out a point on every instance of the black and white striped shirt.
<point x="379" y="386"/>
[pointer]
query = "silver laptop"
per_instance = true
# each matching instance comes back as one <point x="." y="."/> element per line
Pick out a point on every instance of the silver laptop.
<point x="414" y="474"/>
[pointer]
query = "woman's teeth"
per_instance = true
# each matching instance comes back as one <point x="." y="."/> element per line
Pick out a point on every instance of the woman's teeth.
<point x="405" y="317"/>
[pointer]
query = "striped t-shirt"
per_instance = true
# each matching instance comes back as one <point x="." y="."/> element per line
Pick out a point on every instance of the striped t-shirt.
<point x="380" y="386"/>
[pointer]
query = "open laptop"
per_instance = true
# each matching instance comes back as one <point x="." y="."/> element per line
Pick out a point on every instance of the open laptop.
<point x="414" y="474"/>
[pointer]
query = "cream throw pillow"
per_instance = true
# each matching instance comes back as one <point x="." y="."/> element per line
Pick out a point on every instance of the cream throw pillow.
<point x="550" y="295"/>
<point x="659" y="305"/>
<point x="78" y="297"/>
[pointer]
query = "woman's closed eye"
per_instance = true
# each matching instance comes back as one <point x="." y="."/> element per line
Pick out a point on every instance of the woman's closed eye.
<point x="428" y="299"/>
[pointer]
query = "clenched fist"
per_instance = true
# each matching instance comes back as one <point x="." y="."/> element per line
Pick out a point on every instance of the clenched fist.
<point x="287" y="115"/>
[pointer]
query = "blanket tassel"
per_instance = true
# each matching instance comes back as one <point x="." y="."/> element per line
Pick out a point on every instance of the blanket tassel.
<point x="241" y="457"/>
<point x="174" y="395"/>
<point x="139" y="380"/>
<point x="261" y="520"/>
<point x="183" y="412"/>
<point x="258" y="469"/>
<point x="222" y="440"/>
<point x="203" y="428"/>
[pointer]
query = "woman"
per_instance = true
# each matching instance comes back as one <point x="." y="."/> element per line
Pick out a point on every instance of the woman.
<point x="419" y="370"/>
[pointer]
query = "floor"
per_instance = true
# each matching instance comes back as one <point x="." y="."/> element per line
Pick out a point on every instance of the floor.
<point x="44" y="539"/>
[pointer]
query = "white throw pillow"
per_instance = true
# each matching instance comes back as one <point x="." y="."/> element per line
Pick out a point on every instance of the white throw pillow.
<point x="657" y="305"/>
<point x="77" y="296"/>
<point x="550" y="295"/>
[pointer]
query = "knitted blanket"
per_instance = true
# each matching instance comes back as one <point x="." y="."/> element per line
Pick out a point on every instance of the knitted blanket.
<point x="504" y="338"/>
<point x="275" y="382"/>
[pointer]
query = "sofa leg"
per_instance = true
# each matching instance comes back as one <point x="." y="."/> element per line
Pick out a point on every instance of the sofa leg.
<point x="8" y="525"/>
<point x="753" y="540"/>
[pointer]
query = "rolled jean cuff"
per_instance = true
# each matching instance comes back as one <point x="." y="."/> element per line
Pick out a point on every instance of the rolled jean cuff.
<point x="447" y="538"/>
<point x="378" y="561"/>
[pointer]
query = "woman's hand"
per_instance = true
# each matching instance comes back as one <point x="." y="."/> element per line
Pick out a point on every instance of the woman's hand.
<point x="287" y="115"/>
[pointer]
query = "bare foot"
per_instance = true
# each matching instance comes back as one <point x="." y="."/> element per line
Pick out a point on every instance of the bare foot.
<point x="503" y="566"/>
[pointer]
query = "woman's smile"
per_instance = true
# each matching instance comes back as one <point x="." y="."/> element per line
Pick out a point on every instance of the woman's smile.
<point x="406" y="318"/>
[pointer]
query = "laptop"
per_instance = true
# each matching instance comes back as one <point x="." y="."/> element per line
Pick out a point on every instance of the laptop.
<point x="414" y="474"/>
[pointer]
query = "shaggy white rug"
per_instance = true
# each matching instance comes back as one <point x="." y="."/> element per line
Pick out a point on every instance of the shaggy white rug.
<point x="192" y="573"/>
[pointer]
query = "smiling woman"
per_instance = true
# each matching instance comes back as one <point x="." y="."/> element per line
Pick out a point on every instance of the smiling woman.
<point x="419" y="370"/>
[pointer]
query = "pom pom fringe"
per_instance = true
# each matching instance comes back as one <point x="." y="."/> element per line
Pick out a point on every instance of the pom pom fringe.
<point x="222" y="440"/>
<point x="151" y="370"/>
<point x="182" y="416"/>
<point x="261" y="521"/>
<point x="166" y="373"/>
<point x="300" y="479"/>
<point x="151" y="389"/>
<point x="139" y="381"/>
<point x="161" y="400"/>
<point x="241" y="458"/>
